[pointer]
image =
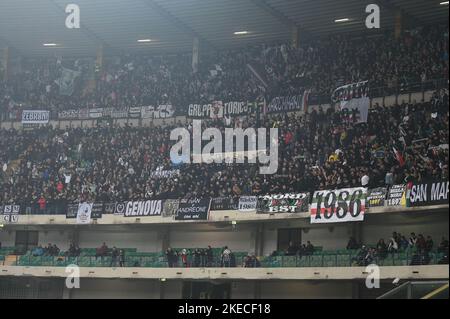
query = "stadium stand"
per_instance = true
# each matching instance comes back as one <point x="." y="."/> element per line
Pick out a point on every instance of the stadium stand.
<point x="98" y="168"/>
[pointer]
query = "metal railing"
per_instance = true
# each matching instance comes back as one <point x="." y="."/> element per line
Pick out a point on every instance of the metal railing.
<point x="158" y="260"/>
<point x="414" y="290"/>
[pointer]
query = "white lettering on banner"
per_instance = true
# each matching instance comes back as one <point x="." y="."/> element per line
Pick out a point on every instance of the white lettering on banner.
<point x="428" y="192"/>
<point x="143" y="208"/>
<point x="439" y="191"/>
<point x="286" y="196"/>
<point x="353" y="97"/>
<point x="159" y="112"/>
<point x="418" y="193"/>
<point x="336" y="206"/>
<point x="35" y="117"/>
<point x="247" y="203"/>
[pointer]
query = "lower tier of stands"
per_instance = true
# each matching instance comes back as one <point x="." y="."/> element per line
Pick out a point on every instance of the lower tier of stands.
<point x="320" y="258"/>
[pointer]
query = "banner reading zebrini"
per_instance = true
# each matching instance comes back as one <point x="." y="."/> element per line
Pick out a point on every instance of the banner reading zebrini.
<point x="336" y="206"/>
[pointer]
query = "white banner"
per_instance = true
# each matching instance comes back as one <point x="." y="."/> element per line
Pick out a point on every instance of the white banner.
<point x="158" y="112"/>
<point x="84" y="213"/>
<point x="353" y="101"/>
<point x="35" y="117"/>
<point x="247" y="203"/>
<point x="96" y="113"/>
<point x="336" y="206"/>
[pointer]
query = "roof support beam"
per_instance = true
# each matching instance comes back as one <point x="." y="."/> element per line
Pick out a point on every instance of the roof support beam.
<point x="294" y="28"/>
<point x="85" y="29"/>
<point x="262" y="4"/>
<point x="177" y="22"/>
<point x="388" y="5"/>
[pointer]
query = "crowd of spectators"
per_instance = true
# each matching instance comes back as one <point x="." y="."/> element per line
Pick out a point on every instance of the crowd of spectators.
<point x="419" y="247"/>
<point x="205" y="258"/>
<point x="319" y="150"/>
<point x="49" y="250"/>
<point x="320" y="65"/>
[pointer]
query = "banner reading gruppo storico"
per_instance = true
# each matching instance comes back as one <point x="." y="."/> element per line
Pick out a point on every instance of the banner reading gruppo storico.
<point x="139" y="208"/>
<point x="427" y="194"/>
<point x="342" y="205"/>
<point x="193" y="209"/>
<point x="219" y="109"/>
<point x="353" y="101"/>
<point x="35" y="117"/>
<point x="283" y="203"/>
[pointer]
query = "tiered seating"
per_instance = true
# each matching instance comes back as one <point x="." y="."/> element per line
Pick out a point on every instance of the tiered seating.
<point x="133" y="258"/>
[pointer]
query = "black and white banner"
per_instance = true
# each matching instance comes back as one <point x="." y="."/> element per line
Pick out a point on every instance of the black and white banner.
<point x="72" y="211"/>
<point x="170" y="207"/>
<point x="427" y="194"/>
<point x="335" y="206"/>
<point x="140" y="208"/>
<point x="69" y="115"/>
<point x="96" y="113"/>
<point x="165" y="173"/>
<point x="353" y="101"/>
<point x="84" y="213"/>
<point x="288" y="103"/>
<point x="35" y="117"/>
<point x="134" y="112"/>
<point x="10" y="213"/>
<point x="376" y="197"/>
<point x="193" y="209"/>
<point x="396" y="195"/>
<point x="283" y="203"/>
<point x="247" y="203"/>
<point x="116" y="113"/>
<point x="224" y="203"/>
<point x="219" y="109"/>
<point x="157" y="112"/>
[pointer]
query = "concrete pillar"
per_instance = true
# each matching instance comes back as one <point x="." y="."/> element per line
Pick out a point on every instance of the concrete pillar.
<point x="257" y="289"/>
<point x="195" y="54"/>
<point x="5" y="64"/>
<point x="99" y="58"/>
<point x="67" y="293"/>
<point x="398" y="24"/>
<point x="357" y="232"/>
<point x="162" y="289"/>
<point x="165" y="238"/>
<point x="259" y="239"/>
<point x="356" y="292"/>
<point x="295" y="37"/>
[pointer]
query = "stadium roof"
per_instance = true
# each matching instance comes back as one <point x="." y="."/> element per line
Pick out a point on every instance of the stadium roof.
<point x="165" y="26"/>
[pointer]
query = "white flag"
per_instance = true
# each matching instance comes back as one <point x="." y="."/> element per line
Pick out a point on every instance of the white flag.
<point x="84" y="213"/>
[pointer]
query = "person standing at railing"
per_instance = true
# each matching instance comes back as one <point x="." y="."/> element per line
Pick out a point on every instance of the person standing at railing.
<point x="121" y="258"/>
<point x="184" y="258"/>
<point x="114" y="255"/>
<point x="209" y="256"/>
<point x="226" y="257"/>
<point x="171" y="257"/>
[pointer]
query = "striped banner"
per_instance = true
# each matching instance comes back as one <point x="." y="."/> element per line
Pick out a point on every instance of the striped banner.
<point x="337" y="206"/>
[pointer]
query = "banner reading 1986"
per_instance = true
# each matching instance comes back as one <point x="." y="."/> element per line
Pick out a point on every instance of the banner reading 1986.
<point x="336" y="206"/>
